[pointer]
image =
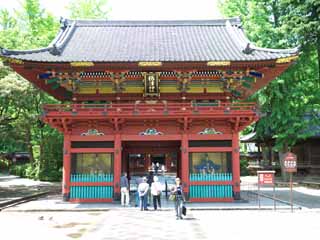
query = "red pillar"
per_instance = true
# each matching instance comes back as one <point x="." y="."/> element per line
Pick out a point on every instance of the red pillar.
<point x="66" y="168"/>
<point x="117" y="166"/>
<point x="168" y="162"/>
<point x="185" y="164"/>
<point x="236" y="165"/>
<point x="147" y="162"/>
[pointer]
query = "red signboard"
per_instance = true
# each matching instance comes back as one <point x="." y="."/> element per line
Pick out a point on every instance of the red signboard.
<point x="266" y="177"/>
<point x="290" y="162"/>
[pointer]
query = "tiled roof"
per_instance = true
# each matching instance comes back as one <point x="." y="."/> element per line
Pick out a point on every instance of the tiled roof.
<point x="134" y="41"/>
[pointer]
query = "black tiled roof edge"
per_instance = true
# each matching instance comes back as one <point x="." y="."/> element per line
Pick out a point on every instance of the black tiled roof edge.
<point x="68" y="26"/>
<point x="55" y="47"/>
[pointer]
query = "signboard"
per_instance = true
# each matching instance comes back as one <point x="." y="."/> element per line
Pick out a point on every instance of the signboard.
<point x="266" y="177"/>
<point x="151" y="84"/>
<point x="290" y="162"/>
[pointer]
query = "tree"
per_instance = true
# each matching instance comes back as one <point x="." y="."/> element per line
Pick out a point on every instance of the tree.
<point x="20" y="103"/>
<point x="88" y="9"/>
<point x="287" y="99"/>
<point x="303" y="18"/>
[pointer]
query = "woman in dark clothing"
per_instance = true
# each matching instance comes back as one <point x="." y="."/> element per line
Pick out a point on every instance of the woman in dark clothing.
<point x="179" y="198"/>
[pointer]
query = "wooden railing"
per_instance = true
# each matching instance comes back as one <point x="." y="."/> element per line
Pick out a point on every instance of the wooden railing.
<point x="150" y="109"/>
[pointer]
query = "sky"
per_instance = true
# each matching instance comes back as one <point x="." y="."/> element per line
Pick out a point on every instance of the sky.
<point x="139" y="9"/>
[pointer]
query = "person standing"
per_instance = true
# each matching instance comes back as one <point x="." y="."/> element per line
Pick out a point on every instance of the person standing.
<point x="124" y="187"/>
<point x="177" y="191"/>
<point x="157" y="168"/>
<point x="137" y="197"/>
<point x="143" y="193"/>
<point x="149" y="181"/>
<point x="156" y="192"/>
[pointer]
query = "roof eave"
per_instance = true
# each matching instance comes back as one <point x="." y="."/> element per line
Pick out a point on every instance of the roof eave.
<point x="55" y="47"/>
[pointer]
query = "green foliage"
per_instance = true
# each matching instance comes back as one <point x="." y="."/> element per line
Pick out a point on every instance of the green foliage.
<point x="286" y="100"/>
<point x="32" y="27"/>
<point x="20" y="102"/>
<point x="88" y="9"/>
<point x="52" y="175"/>
<point x="32" y="171"/>
<point x="244" y="167"/>
<point x="28" y="28"/>
<point x="4" y="164"/>
<point x="20" y="170"/>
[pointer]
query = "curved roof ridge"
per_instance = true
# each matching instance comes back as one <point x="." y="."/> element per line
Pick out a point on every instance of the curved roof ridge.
<point x="294" y="50"/>
<point x="249" y="47"/>
<point x="56" y="45"/>
<point x="4" y="51"/>
<point x="61" y="42"/>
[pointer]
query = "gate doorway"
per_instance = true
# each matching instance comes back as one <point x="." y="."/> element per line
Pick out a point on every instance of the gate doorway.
<point x="139" y="158"/>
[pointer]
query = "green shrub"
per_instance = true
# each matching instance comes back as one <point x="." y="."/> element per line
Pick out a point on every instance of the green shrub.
<point x="244" y="167"/>
<point x="52" y="175"/>
<point x="19" y="170"/>
<point x="4" y="164"/>
<point x="29" y="171"/>
<point x="32" y="172"/>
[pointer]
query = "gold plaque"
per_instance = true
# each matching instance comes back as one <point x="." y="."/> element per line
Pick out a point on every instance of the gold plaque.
<point x="14" y="60"/>
<point x="219" y="63"/>
<point x="150" y="64"/>
<point x="82" y="64"/>
<point x="286" y="59"/>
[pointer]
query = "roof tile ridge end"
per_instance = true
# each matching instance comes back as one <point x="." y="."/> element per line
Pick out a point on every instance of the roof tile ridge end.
<point x="7" y="52"/>
<point x="52" y="47"/>
<point x="235" y="36"/>
<point x="67" y="30"/>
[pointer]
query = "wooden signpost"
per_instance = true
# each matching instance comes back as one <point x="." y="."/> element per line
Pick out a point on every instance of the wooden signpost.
<point x="290" y="166"/>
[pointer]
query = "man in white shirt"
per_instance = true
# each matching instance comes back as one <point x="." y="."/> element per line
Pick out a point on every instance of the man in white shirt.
<point x="156" y="192"/>
<point x="143" y="191"/>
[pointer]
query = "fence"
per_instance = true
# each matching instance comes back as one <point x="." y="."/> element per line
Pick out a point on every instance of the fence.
<point x="210" y="186"/>
<point x="91" y="187"/>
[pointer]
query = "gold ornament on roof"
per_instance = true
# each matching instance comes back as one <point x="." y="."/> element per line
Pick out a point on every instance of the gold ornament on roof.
<point x="219" y="63"/>
<point x="81" y="64"/>
<point x="14" y="60"/>
<point x="150" y="64"/>
<point x="286" y="59"/>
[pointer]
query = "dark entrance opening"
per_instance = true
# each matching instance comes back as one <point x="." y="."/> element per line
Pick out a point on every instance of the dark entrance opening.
<point x="142" y="157"/>
<point x="158" y="159"/>
<point x="139" y="159"/>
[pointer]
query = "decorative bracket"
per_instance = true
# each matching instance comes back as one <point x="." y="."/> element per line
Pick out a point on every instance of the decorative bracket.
<point x="92" y="132"/>
<point x="184" y="80"/>
<point x="150" y="131"/>
<point x="118" y="80"/>
<point x="208" y="131"/>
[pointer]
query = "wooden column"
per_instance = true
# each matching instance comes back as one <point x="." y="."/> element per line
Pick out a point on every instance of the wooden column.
<point x="236" y="165"/>
<point x="185" y="164"/>
<point x="117" y="165"/>
<point x="147" y="162"/>
<point x="168" y="161"/>
<point x="66" y="167"/>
